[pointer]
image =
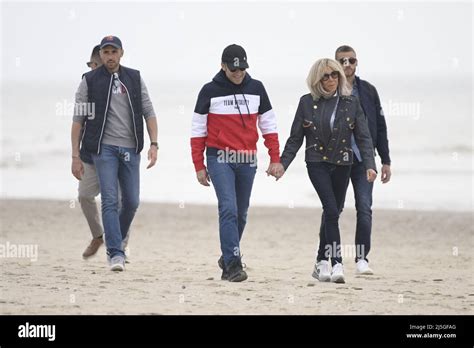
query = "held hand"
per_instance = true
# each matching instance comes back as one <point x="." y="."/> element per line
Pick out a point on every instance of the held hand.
<point x="77" y="168"/>
<point x="371" y="175"/>
<point x="152" y="156"/>
<point x="270" y="170"/>
<point x="276" y="169"/>
<point x="203" y="177"/>
<point x="386" y="173"/>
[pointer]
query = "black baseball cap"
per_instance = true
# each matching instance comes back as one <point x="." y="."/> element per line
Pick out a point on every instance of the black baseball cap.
<point x="111" y="41"/>
<point x="234" y="57"/>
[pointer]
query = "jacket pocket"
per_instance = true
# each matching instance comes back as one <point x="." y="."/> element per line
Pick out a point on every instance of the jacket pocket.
<point x="307" y="123"/>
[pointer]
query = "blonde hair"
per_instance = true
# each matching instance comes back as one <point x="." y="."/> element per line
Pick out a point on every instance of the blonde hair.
<point x="317" y="72"/>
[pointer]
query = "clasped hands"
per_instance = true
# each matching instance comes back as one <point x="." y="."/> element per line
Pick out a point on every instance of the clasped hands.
<point x="276" y="170"/>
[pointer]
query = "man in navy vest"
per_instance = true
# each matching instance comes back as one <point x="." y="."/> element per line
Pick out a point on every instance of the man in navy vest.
<point x="370" y="102"/>
<point x="111" y="103"/>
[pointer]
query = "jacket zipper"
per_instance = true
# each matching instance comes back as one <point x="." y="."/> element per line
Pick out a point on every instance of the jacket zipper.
<point x="133" y="116"/>
<point x="105" y="114"/>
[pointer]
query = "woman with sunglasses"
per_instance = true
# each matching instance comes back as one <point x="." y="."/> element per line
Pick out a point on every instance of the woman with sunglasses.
<point x="327" y="117"/>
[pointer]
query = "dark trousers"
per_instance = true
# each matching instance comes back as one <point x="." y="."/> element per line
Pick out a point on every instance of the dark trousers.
<point x="330" y="182"/>
<point x="363" y="202"/>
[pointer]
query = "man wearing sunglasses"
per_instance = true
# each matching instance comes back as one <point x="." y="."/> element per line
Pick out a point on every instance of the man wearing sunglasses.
<point x="224" y="125"/>
<point x="370" y="102"/>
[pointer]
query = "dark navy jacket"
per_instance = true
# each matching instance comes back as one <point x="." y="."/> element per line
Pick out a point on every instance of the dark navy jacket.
<point x="99" y="86"/>
<point x="370" y="103"/>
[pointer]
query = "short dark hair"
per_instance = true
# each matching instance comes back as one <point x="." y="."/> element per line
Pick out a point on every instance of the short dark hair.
<point x="344" y="48"/>
<point x="95" y="52"/>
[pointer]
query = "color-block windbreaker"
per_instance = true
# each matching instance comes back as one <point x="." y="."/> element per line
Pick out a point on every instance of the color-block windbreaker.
<point x="226" y="117"/>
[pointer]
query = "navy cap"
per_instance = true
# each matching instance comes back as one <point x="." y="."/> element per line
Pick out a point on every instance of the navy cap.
<point x="234" y="56"/>
<point x="111" y="41"/>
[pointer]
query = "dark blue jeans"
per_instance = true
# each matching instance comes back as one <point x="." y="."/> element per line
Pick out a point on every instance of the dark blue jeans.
<point x="363" y="202"/>
<point x="330" y="182"/>
<point x="233" y="185"/>
<point x="117" y="166"/>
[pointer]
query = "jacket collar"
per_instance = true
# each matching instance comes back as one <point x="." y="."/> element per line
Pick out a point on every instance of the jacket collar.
<point x="104" y="71"/>
<point x="222" y="80"/>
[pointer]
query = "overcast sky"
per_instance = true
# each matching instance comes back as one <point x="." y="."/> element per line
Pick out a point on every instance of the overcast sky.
<point x="181" y="40"/>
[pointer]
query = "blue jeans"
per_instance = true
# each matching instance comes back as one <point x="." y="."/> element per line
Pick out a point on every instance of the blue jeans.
<point x="330" y="182"/>
<point x="116" y="166"/>
<point x="363" y="202"/>
<point x="233" y="185"/>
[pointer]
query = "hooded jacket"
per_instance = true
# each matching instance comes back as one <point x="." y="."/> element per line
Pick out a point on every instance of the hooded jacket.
<point x="226" y="118"/>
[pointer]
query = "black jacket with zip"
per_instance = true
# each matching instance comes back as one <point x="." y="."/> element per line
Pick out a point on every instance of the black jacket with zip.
<point x="99" y="87"/>
<point x="322" y="144"/>
<point x="370" y="103"/>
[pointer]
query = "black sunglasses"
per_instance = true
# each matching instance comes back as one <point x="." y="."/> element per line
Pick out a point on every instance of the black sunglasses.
<point x="235" y="69"/>
<point x="350" y="60"/>
<point x="334" y="75"/>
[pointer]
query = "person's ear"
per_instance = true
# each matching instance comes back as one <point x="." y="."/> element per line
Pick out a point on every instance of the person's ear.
<point x="121" y="53"/>
<point x="223" y="66"/>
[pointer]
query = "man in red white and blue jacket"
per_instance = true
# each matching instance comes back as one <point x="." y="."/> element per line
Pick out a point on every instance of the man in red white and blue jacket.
<point x="225" y="120"/>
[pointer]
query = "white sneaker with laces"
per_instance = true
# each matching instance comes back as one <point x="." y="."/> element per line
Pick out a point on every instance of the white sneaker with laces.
<point x="321" y="271"/>
<point x="362" y="267"/>
<point x="337" y="274"/>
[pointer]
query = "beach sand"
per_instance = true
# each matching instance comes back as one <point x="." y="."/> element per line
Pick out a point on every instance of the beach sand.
<point x="423" y="263"/>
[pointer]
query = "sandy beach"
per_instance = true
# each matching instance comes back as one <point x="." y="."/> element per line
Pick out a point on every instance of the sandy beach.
<point x="422" y="262"/>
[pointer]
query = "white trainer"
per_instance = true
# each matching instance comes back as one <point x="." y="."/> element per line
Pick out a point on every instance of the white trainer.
<point x="321" y="271"/>
<point x="117" y="264"/>
<point x="337" y="274"/>
<point x="362" y="267"/>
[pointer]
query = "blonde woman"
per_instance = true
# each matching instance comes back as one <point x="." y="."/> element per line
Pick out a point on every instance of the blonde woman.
<point x="327" y="117"/>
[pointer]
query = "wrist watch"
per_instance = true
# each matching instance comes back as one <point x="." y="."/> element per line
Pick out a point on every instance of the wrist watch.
<point x="154" y="143"/>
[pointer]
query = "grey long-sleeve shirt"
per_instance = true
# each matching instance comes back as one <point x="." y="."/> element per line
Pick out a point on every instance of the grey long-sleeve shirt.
<point x="119" y="126"/>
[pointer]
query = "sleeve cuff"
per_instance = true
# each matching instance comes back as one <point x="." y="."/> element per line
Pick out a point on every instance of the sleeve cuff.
<point x="199" y="166"/>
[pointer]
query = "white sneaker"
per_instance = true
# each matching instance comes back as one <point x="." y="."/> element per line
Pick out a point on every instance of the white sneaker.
<point x="362" y="267"/>
<point x="117" y="264"/>
<point x="321" y="271"/>
<point x="337" y="274"/>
